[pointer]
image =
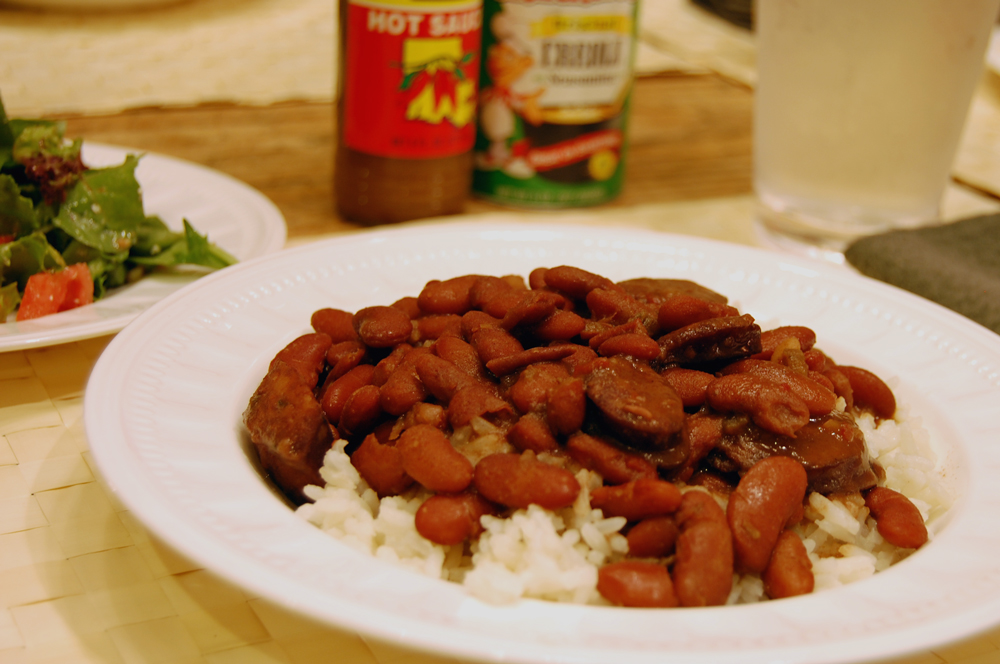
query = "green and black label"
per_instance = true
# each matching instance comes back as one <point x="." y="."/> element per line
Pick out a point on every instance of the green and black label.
<point x="556" y="80"/>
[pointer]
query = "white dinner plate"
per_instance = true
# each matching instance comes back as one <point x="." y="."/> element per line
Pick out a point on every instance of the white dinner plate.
<point x="163" y="418"/>
<point x="232" y="214"/>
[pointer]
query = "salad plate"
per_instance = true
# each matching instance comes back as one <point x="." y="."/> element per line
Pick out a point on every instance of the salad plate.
<point x="163" y="416"/>
<point x="232" y="214"/>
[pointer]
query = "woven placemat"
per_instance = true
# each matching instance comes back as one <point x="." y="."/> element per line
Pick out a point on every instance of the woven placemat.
<point x="82" y="581"/>
<point x="186" y="53"/>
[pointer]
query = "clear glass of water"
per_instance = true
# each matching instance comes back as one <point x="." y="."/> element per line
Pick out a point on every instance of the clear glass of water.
<point x="858" y="113"/>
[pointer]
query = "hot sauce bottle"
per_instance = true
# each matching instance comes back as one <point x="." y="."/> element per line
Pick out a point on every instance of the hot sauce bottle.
<point x="409" y="72"/>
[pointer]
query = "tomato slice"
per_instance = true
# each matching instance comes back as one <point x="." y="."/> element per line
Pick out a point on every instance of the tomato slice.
<point x="79" y="287"/>
<point x="50" y="292"/>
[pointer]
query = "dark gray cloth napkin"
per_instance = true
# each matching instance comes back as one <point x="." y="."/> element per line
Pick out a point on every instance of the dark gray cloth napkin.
<point x="956" y="264"/>
<point x="737" y="12"/>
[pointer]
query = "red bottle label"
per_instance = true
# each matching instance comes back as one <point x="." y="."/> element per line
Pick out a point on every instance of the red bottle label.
<point x="410" y="77"/>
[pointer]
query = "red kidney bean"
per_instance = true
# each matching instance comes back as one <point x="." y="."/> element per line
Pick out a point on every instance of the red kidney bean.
<point x="492" y="343"/>
<point x="823" y="380"/>
<point x="898" y="520"/>
<point x="639" y="346"/>
<point x="636" y="583"/>
<point x="461" y="354"/>
<point x="452" y="518"/>
<point x="520" y="480"/>
<point x="768" y="495"/>
<point x="344" y="356"/>
<point x="770" y="339"/>
<point x="580" y="362"/>
<point x="683" y="310"/>
<point x="426" y="413"/>
<point x="567" y="407"/>
<point x="403" y="388"/>
<point x="305" y="354"/>
<point x="536" y="278"/>
<point x="437" y="326"/>
<point x="381" y="466"/>
<point x="701" y="433"/>
<point x="841" y="386"/>
<point x="409" y="306"/>
<point x="336" y="323"/>
<point x="637" y="499"/>
<point x="389" y="363"/>
<point x="532" y="308"/>
<point x="337" y="392"/>
<point x="689" y="384"/>
<point x="789" y="571"/>
<point x="502" y="366"/>
<point x="574" y="282"/>
<point x="653" y="537"/>
<point x="531" y="432"/>
<point x="447" y="297"/>
<point x="870" y="391"/>
<point x="615" y="465"/>
<point x="559" y="326"/>
<point x="475" y="401"/>
<point x="817" y="360"/>
<point x="615" y="306"/>
<point x="473" y="321"/>
<point x="703" y="570"/>
<point x="769" y="405"/>
<point x="494" y="295"/>
<point x="531" y="390"/>
<point x="360" y="412"/>
<point x="598" y="337"/>
<point x="382" y="327"/>
<point x="441" y="378"/>
<point x="816" y="397"/>
<point x="430" y="458"/>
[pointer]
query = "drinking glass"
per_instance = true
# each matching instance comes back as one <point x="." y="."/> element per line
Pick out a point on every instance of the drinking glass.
<point x="858" y="113"/>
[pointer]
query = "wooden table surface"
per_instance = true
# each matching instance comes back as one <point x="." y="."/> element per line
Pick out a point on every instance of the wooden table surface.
<point x="689" y="138"/>
<point x="81" y="580"/>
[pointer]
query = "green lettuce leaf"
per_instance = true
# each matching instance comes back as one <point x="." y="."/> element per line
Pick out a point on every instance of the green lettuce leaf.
<point x="153" y="237"/>
<point x="103" y="209"/>
<point x="25" y="256"/>
<point x="46" y="139"/>
<point x="6" y="137"/>
<point x="9" y="299"/>
<point x="192" y="249"/>
<point x="17" y="213"/>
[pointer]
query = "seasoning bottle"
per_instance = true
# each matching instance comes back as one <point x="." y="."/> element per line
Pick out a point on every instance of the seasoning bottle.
<point x="556" y="82"/>
<point x="408" y="76"/>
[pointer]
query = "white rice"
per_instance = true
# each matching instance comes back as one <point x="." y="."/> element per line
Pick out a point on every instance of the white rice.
<point x="555" y="556"/>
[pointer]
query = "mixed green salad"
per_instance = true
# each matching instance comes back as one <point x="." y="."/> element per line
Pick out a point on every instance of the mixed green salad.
<point x="69" y="233"/>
